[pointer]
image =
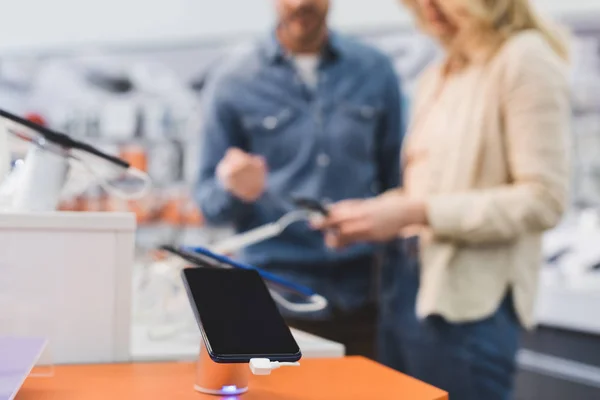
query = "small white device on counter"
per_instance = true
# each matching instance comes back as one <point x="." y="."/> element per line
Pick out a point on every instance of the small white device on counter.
<point x="36" y="185"/>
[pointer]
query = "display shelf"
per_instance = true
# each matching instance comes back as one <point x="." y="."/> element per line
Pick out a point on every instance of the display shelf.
<point x="569" y="307"/>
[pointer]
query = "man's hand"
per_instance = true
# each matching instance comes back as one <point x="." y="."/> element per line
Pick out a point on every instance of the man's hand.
<point x="373" y="220"/>
<point x="243" y="175"/>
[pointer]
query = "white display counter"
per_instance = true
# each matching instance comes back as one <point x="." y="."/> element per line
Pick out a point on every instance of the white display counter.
<point x="67" y="277"/>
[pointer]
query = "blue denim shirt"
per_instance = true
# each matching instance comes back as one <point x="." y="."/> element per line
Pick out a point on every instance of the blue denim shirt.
<point x="340" y="141"/>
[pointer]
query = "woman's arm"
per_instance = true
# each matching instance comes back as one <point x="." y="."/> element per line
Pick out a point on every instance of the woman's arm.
<point x="536" y="125"/>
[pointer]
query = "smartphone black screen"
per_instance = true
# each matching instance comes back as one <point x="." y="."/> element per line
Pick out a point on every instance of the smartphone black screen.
<point x="238" y="317"/>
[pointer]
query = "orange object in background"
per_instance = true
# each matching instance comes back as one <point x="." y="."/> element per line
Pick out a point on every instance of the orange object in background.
<point x="144" y="209"/>
<point x="181" y="212"/>
<point x="95" y="202"/>
<point x="193" y="215"/>
<point x="70" y="205"/>
<point x="350" y="378"/>
<point x="179" y="209"/>
<point x="36" y="118"/>
<point x="170" y="212"/>
<point x="136" y="156"/>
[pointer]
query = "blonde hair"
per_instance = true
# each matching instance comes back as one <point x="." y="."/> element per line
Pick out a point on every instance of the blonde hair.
<point x="495" y="21"/>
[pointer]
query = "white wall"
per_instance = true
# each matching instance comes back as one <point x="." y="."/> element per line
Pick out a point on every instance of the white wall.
<point x="28" y="24"/>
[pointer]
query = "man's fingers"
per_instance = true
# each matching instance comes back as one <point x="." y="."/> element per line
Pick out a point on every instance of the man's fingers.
<point x="332" y="221"/>
<point x="354" y="231"/>
<point x="338" y="240"/>
<point x="259" y="162"/>
<point x="238" y="165"/>
<point x="343" y="213"/>
<point x="346" y="204"/>
<point x="318" y="222"/>
<point x="235" y="152"/>
<point x="333" y="241"/>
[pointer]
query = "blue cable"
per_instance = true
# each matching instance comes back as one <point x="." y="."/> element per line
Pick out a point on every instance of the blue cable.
<point x="305" y="291"/>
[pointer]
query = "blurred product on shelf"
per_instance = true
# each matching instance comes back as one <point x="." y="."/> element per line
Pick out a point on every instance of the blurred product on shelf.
<point x="166" y="162"/>
<point x="69" y="205"/>
<point x="120" y="120"/>
<point x="145" y="209"/>
<point x="36" y="118"/>
<point x="180" y="209"/>
<point x="135" y="155"/>
<point x="193" y="215"/>
<point x="174" y="207"/>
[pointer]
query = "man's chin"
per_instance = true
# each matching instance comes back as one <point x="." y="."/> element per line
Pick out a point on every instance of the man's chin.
<point x="308" y="36"/>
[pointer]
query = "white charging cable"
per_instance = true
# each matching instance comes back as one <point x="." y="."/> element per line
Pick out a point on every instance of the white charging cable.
<point x="262" y="233"/>
<point x="316" y="303"/>
<point x="264" y="366"/>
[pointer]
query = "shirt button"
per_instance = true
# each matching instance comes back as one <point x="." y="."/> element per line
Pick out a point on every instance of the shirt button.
<point x="323" y="160"/>
<point x="270" y="123"/>
<point x="367" y="112"/>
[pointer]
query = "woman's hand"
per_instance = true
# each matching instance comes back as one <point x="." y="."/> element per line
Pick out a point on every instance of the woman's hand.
<point x="373" y="220"/>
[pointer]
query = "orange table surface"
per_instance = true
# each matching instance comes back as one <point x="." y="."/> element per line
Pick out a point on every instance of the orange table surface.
<point x="317" y="379"/>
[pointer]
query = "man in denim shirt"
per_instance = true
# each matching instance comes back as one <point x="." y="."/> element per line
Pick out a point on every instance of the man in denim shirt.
<point x="309" y="113"/>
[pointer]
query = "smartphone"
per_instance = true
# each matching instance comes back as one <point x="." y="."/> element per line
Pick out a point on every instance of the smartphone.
<point x="311" y="205"/>
<point x="237" y="316"/>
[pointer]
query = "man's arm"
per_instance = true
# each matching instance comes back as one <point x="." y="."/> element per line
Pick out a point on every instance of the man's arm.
<point x="220" y="132"/>
<point x="390" y="134"/>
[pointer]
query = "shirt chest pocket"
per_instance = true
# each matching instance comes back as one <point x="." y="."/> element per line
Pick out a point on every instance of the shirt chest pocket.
<point x="272" y="134"/>
<point x="356" y="128"/>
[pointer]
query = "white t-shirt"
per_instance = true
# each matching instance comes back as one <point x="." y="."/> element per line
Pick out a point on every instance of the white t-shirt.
<point x="307" y="66"/>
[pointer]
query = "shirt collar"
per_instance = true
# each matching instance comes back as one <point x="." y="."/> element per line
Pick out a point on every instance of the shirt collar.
<point x="275" y="52"/>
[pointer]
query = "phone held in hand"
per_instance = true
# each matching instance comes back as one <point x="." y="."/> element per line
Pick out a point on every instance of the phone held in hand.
<point x="237" y="316"/>
<point x="311" y="205"/>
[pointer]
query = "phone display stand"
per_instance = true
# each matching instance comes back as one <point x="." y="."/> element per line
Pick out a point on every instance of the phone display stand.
<point x="220" y="379"/>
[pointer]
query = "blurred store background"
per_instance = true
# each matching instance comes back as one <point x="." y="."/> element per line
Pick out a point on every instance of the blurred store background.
<point x="129" y="76"/>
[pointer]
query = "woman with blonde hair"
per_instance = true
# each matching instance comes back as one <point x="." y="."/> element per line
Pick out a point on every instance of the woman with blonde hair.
<point x="485" y="174"/>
